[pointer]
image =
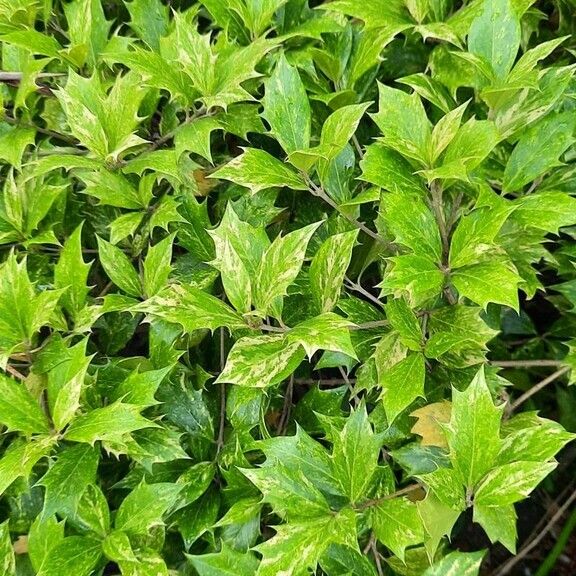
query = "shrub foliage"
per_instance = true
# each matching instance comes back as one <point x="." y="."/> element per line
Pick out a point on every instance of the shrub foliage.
<point x="277" y="280"/>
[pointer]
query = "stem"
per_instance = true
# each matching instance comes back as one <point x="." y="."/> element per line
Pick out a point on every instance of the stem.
<point x="285" y="416"/>
<point x="13" y="372"/>
<point x="318" y="191"/>
<point x="525" y="363"/>
<point x="220" y="441"/>
<point x="438" y="209"/>
<point x="397" y="494"/>
<point x="357" y="287"/>
<point x="45" y="131"/>
<point x="538" y="387"/>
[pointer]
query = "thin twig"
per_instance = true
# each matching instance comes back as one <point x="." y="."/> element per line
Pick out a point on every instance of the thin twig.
<point x="438" y="209"/>
<point x="397" y="494"/>
<point x="376" y="555"/>
<point x="507" y="566"/>
<point x="285" y="416"/>
<point x="538" y="387"/>
<point x="45" y="131"/>
<point x="357" y="146"/>
<point x="11" y="370"/>
<point x="318" y="191"/>
<point x="525" y="363"/>
<point x="357" y="287"/>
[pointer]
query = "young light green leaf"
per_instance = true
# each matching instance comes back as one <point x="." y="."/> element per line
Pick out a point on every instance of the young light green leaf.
<point x="145" y="506"/>
<point x="547" y="210"/>
<point x="286" y="107"/>
<point x="7" y="557"/>
<point x="461" y="563"/>
<point x="73" y="471"/>
<point x="119" y="268"/>
<point x="499" y="523"/>
<point x="71" y="272"/>
<point x="257" y="170"/>
<point x="355" y="455"/>
<point x="413" y="224"/>
<point x="65" y="383"/>
<point x="402" y="384"/>
<point x="108" y="423"/>
<point x="389" y="170"/>
<point x="19" y="459"/>
<point x="43" y="536"/>
<point x="279" y="267"/>
<point x="227" y="562"/>
<point x="76" y="555"/>
<point x="261" y="361"/>
<point x="405" y="322"/>
<point x="538" y="150"/>
<point x="19" y="410"/>
<point x="474" y="431"/>
<point x="325" y="332"/>
<point x="512" y="482"/>
<point x="311" y="538"/>
<point x="157" y="266"/>
<point x="492" y="281"/>
<point x="402" y="119"/>
<point x="397" y="524"/>
<point x="328" y="269"/>
<point x="191" y="308"/>
<point x="495" y="35"/>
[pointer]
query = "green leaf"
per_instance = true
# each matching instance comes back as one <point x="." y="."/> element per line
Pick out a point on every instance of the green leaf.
<point x="376" y="14"/>
<point x="547" y="211"/>
<point x="227" y="562"/>
<point x="473" y="239"/>
<point x="192" y="308"/>
<point x="499" y="523"/>
<point x="328" y="269"/>
<point x="286" y="107"/>
<point x="416" y="277"/>
<point x="474" y="431"/>
<point x="404" y="124"/>
<point x="77" y="555"/>
<point x="19" y="410"/>
<point x="311" y="537"/>
<point x="108" y="423"/>
<point x="43" y="536"/>
<point x="279" y="267"/>
<point x="495" y="35"/>
<point x="325" y="332"/>
<point x="337" y="130"/>
<point x="119" y="268"/>
<point x="538" y="150"/>
<point x="8" y="559"/>
<point x="412" y="224"/>
<point x="405" y="322"/>
<point x="20" y="459"/>
<point x="445" y="130"/>
<point x="402" y="384"/>
<point x="257" y="170"/>
<point x="149" y="19"/>
<point x="389" y="170"/>
<point x="65" y="481"/>
<point x="261" y="361"/>
<point x="491" y="281"/>
<point x="512" y="482"/>
<point x="461" y="563"/>
<point x="145" y="506"/>
<point x="140" y="387"/>
<point x="13" y="142"/>
<point x="531" y="438"/>
<point x="157" y="268"/>
<point x="118" y="548"/>
<point x="65" y="385"/>
<point x="396" y="523"/>
<point x="23" y="311"/>
<point x="92" y="513"/>
<point x="71" y="273"/>
<point x="355" y="455"/>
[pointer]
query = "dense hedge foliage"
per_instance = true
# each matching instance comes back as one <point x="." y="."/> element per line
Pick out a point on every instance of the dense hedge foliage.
<point x="282" y="283"/>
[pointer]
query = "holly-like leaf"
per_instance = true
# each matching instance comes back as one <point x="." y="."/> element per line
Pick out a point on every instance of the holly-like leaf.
<point x="495" y="35"/>
<point x="538" y="150"/>
<point x="119" y="268"/>
<point x="65" y="481"/>
<point x="226" y="562"/>
<point x="261" y="361"/>
<point x="546" y="210"/>
<point x="258" y="170"/>
<point x="499" y="522"/>
<point x="286" y="107"/>
<point x="461" y="563"/>
<point x="474" y="431"/>
<point x="8" y="559"/>
<point x="279" y="267"/>
<point x="73" y="555"/>
<point x="405" y="322"/>
<point x="19" y="410"/>
<point x="328" y="269"/>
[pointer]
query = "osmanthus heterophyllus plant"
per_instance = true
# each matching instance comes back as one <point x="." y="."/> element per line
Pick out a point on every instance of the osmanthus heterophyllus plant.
<point x="263" y="263"/>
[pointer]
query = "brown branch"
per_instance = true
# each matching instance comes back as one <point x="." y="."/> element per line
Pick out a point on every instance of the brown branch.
<point x="397" y="494"/>
<point x="542" y="384"/>
<point x="13" y="372"/>
<point x="220" y="441"/>
<point x="525" y="363"/>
